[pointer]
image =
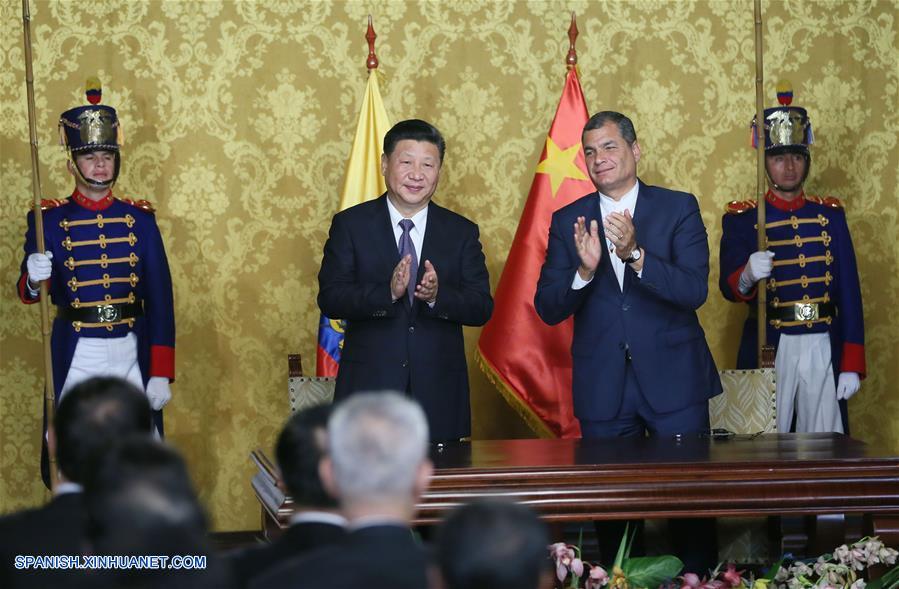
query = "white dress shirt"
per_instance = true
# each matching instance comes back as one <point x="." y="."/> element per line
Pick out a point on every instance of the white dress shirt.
<point x="609" y="205"/>
<point x="417" y="233"/>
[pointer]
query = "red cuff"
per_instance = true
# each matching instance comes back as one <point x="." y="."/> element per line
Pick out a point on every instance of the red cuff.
<point x="734" y="281"/>
<point x="162" y="361"/>
<point x="23" y="291"/>
<point x="853" y="359"/>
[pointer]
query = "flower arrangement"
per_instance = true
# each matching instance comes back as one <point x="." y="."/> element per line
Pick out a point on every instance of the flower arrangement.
<point x="842" y="569"/>
<point x="627" y="572"/>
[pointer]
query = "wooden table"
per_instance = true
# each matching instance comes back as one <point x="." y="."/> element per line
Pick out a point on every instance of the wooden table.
<point x="771" y="474"/>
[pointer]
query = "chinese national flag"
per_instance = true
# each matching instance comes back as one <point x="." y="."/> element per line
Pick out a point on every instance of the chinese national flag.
<point x="363" y="181"/>
<point x="528" y="360"/>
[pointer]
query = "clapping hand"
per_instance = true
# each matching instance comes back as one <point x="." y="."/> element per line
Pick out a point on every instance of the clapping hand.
<point x="620" y="232"/>
<point x="400" y="279"/>
<point x="589" y="248"/>
<point x="427" y="289"/>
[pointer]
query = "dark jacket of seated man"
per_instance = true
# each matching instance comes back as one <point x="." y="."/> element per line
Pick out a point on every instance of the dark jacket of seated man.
<point x="315" y="522"/>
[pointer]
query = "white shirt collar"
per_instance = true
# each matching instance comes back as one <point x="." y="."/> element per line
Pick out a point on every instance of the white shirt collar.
<point x="67" y="487"/>
<point x="318" y="517"/>
<point x="628" y="201"/>
<point x="419" y="219"/>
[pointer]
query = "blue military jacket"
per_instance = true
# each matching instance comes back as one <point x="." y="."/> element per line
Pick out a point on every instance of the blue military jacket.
<point x="814" y="262"/>
<point x="107" y="252"/>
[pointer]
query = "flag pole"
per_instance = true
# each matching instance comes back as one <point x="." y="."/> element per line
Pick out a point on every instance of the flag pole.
<point x="39" y="231"/>
<point x="765" y="352"/>
<point x="534" y="376"/>
<point x="571" y="58"/>
<point x="372" y="62"/>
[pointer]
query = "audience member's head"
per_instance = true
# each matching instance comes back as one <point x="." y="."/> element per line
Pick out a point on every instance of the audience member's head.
<point x="489" y="544"/>
<point x="140" y="494"/>
<point x="301" y="447"/>
<point x="377" y="444"/>
<point x="140" y="501"/>
<point x="91" y="416"/>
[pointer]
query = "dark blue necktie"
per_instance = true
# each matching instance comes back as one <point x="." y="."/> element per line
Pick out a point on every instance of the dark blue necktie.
<point x="408" y="248"/>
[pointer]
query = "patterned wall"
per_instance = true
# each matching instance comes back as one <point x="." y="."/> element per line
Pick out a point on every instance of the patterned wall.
<point x="239" y="115"/>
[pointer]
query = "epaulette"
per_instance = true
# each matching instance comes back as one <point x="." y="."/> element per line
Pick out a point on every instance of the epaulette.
<point x="52" y="203"/>
<point x="737" y="207"/>
<point x="142" y="204"/>
<point x="828" y="201"/>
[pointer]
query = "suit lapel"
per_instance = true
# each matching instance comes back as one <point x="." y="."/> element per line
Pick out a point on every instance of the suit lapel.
<point x="382" y="232"/>
<point x="433" y="238"/>
<point x="641" y="219"/>
<point x="430" y="245"/>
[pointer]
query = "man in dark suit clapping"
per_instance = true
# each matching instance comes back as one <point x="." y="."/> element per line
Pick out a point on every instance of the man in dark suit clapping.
<point x="630" y="263"/>
<point x="406" y="274"/>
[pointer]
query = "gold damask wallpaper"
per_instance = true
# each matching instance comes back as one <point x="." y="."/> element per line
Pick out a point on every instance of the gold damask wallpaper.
<point x="239" y="116"/>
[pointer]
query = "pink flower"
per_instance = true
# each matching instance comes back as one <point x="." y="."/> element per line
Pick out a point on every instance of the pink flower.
<point x="577" y="567"/>
<point x="733" y="576"/>
<point x="597" y="578"/>
<point x="561" y="571"/>
<point x="557" y="550"/>
<point x="691" y="580"/>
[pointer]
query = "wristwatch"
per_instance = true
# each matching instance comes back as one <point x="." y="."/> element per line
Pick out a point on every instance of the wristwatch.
<point x="635" y="256"/>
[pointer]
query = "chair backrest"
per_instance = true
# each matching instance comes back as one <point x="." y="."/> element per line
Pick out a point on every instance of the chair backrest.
<point x="748" y="404"/>
<point x="307" y="391"/>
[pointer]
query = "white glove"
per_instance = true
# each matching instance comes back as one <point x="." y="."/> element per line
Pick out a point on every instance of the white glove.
<point x="158" y="392"/>
<point x="39" y="266"/>
<point x="759" y="266"/>
<point x="847" y="385"/>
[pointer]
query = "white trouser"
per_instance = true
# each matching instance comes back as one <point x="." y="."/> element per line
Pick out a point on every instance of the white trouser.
<point x="804" y="371"/>
<point x="97" y="356"/>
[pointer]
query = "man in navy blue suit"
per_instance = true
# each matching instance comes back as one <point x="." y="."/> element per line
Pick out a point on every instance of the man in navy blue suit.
<point x="406" y="275"/>
<point x="630" y="262"/>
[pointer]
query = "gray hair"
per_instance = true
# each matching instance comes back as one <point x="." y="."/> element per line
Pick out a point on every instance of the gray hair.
<point x="377" y="442"/>
<point x="625" y="125"/>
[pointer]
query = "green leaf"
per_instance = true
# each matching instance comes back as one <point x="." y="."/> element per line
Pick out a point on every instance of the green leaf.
<point x="772" y="572"/>
<point x="651" y="571"/>
<point x="890" y="580"/>
<point x="624" y="548"/>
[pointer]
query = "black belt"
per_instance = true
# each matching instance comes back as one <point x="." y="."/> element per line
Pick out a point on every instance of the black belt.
<point x="102" y="313"/>
<point x="798" y="311"/>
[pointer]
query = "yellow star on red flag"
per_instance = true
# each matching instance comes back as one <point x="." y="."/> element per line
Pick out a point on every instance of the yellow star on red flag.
<point x="560" y="164"/>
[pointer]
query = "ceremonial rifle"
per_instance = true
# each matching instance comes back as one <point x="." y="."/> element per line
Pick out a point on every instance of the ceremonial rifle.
<point x="39" y="232"/>
<point x="765" y="351"/>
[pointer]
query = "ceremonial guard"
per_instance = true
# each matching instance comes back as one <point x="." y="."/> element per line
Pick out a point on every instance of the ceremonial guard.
<point x="106" y="268"/>
<point x="814" y="311"/>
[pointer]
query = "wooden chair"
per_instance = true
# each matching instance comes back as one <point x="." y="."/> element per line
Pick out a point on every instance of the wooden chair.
<point x="748" y="404"/>
<point x="307" y="391"/>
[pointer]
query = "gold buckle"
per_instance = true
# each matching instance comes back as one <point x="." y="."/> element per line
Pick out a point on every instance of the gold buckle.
<point x="109" y="313"/>
<point x="805" y="311"/>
